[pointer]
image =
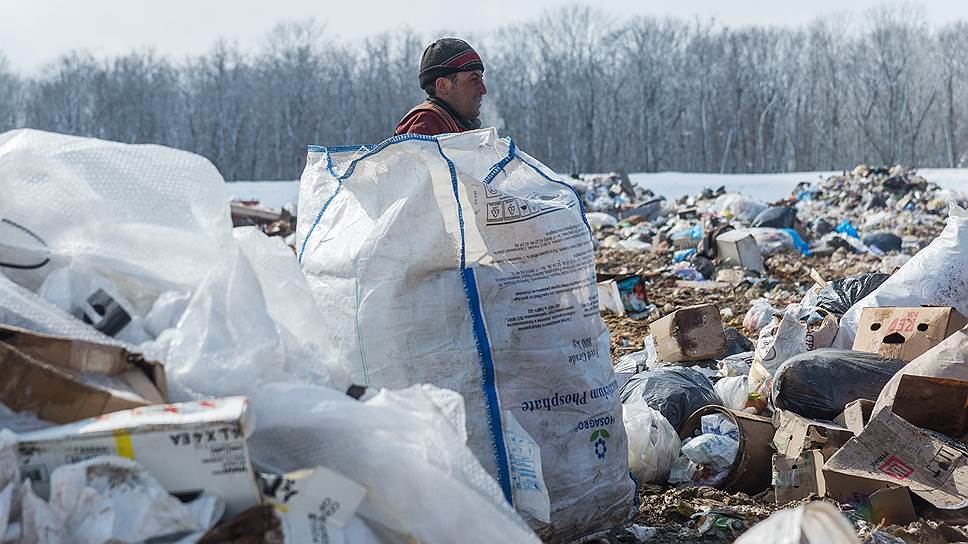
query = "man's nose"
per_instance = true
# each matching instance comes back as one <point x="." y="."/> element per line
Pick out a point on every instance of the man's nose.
<point x="483" y="88"/>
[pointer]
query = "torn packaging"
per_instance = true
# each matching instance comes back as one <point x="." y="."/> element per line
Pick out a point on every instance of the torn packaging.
<point x="905" y="333"/>
<point x="188" y="447"/>
<point x="892" y="450"/>
<point x="64" y="380"/>
<point x="796" y="434"/>
<point x="856" y="415"/>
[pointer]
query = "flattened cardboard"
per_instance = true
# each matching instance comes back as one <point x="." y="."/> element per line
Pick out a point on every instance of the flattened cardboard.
<point x="188" y="447"/>
<point x="739" y="249"/>
<point x="689" y="334"/>
<point x="796" y="434"/>
<point x="890" y="449"/>
<point x="856" y="415"/>
<point x="64" y="380"/>
<point x="905" y="333"/>
<point x="936" y="404"/>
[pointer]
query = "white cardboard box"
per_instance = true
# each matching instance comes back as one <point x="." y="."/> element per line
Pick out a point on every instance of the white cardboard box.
<point x="188" y="447"/>
<point x="739" y="248"/>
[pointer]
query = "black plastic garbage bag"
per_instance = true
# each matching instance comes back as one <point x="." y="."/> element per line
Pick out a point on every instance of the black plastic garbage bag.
<point x="819" y="384"/>
<point x="776" y="217"/>
<point x="675" y="391"/>
<point x="821" y="226"/>
<point x="839" y="295"/>
<point x="884" y="241"/>
<point x="736" y="342"/>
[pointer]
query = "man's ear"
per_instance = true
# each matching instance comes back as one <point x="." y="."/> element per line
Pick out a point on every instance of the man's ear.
<point x="442" y="85"/>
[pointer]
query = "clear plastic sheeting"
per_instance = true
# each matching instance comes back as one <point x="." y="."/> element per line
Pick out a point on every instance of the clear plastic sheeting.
<point x="406" y="447"/>
<point x="137" y="243"/>
<point x="936" y="276"/>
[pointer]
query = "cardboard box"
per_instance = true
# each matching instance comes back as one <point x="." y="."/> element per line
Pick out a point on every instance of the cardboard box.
<point x="905" y="333"/>
<point x="739" y="249"/>
<point x="892" y="450"/>
<point x="188" y="447"/>
<point x="936" y="404"/>
<point x="797" y="479"/>
<point x="796" y="434"/>
<point x="690" y="334"/>
<point x="856" y="415"/>
<point x="65" y="380"/>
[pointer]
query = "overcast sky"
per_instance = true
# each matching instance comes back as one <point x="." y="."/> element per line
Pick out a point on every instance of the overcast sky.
<point x="35" y="32"/>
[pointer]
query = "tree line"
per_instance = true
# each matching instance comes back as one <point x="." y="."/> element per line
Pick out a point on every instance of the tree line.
<point x="578" y="88"/>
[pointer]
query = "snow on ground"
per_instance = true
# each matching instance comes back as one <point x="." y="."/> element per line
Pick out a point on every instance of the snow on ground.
<point x="766" y="187"/>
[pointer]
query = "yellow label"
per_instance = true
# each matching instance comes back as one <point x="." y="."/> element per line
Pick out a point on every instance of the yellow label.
<point x="122" y="442"/>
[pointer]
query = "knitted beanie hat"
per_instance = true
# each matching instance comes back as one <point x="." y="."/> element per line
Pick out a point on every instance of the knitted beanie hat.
<point x="444" y="57"/>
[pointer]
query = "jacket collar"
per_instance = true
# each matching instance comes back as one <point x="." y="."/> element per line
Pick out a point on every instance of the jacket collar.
<point x="466" y="124"/>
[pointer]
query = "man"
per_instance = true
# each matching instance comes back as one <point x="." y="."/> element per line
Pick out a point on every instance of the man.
<point x="452" y="74"/>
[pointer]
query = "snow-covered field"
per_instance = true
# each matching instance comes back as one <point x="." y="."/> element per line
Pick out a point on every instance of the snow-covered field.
<point x="276" y="194"/>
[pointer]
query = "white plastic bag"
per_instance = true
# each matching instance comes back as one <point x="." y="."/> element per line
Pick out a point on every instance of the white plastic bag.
<point x="759" y="315"/>
<point x="816" y="522"/>
<point x="789" y="334"/>
<point x="111" y="499"/>
<point x="742" y="207"/>
<point x="936" y="276"/>
<point x="653" y="443"/>
<point x="733" y="391"/>
<point x="713" y="451"/>
<point x="460" y="261"/>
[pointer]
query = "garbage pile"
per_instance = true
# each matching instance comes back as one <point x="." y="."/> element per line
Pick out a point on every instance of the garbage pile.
<point x="431" y="363"/>
<point x="854" y="393"/>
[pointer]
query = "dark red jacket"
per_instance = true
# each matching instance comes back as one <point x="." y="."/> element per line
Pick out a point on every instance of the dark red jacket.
<point x="430" y="119"/>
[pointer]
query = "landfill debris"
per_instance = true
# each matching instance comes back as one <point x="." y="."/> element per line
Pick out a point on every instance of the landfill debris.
<point x="676" y="392"/>
<point x="229" y="312"/>
<point x="280" y="223"/>
<point x="890" y="449"/>
<point x="856" y="415"/>
<point x="932" y="391"/>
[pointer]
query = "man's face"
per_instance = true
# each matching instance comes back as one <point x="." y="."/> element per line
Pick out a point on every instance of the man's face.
<point x="464" y="92"/>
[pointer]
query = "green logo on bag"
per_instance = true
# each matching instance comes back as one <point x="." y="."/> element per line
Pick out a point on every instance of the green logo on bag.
<point x="598" y="437"/>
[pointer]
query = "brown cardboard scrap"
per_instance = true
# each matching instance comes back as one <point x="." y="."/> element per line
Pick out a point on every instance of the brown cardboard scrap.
<point x="905" y="333"/>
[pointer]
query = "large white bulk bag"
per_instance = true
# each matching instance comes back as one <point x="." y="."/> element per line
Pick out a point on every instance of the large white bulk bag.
<point x="460" y="261"/>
